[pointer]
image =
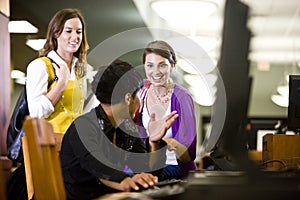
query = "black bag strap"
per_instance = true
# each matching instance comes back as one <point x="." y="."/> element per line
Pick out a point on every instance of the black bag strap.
<point x="55" y="76"/>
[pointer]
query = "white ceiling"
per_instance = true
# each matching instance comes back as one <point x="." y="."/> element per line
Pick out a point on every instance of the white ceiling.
<point x="276" y="30"/>
<point x="274" y="45"/>
<point x="275" y="25"/>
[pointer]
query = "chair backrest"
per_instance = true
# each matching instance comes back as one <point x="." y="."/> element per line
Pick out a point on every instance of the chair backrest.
<point x="2" y="186"/>
<point x="27" y="166"/>
<point x="45" y="165"/>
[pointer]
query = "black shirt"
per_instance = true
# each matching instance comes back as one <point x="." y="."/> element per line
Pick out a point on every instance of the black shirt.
<point x="88" y="153"/>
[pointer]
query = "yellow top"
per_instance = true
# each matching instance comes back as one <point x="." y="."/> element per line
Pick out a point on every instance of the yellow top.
<point x="68" y="107"/>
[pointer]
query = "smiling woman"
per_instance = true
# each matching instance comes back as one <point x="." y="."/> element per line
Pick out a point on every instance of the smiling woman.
<point x="67" y="46"/>
<point x="162" y="96"/>
<point x="66" y="49"/>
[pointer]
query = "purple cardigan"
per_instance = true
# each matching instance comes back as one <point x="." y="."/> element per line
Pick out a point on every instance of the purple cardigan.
<point x="184" y="127"/>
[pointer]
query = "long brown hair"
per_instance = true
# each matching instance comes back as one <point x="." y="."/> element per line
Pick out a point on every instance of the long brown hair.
<point x="55" y="28"/>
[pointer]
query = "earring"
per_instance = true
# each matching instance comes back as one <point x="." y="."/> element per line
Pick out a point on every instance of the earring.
<point x="128" y="97"/>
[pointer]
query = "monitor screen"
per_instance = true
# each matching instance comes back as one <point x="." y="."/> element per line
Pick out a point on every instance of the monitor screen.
<point x="293" y="121"/>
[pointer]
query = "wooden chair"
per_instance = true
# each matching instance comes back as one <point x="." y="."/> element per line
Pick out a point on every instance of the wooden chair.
<point x="29" y="183"/>
<point x="42" y="165"/>
<point x="2" y="186"/>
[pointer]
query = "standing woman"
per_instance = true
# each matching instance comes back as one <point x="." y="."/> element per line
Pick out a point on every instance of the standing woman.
<point x="66" y="44"/>
<point x="161" y="96"/>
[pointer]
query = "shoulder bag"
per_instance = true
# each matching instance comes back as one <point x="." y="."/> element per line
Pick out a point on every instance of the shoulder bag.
<point x="15" y="131"/>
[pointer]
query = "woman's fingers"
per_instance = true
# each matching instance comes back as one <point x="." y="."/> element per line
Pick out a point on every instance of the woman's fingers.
<point x="158" y="129"/>
<point x="169" y="120"/>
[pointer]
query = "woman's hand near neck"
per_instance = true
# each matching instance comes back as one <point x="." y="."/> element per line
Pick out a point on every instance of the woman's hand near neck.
<point x="67" y="57"/>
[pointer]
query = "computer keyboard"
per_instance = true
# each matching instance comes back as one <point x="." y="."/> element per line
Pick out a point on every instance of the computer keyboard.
<point x="169" y="182"/>
<point x="166" y="189"/>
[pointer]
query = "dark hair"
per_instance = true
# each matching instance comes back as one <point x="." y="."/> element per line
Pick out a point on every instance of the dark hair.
<point x="112" y="83"/>
<point x="161" y="48"/>
<point x="56" y="27"/>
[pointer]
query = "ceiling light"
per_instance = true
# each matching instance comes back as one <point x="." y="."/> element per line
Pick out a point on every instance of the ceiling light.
<point x="36" y="44"/>
<point x="197" y="66"/>
<point x="21" y="80"/>
<point x="207" y="80"/>
<point x="204" y="96"/>
<point x="206" y="42"/>
<point x="21" y="26"/>
<point x="17" y="74"/>
<point x="280" y="100"/>
<point x="183" y="10"/>
<point x="187" y="67"/>
<point x="202" y="88"/>
<point x="283" y="90"/>
<point x="283" y="56"/>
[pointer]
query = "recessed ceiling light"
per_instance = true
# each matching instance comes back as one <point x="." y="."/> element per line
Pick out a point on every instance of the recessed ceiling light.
<point x="203" y="96"/>
<point x="200" y="81"/>
<point x="17" y="74"/>
<point x="206" y="42"/>
<point x="21" y="26"/>
<point x="36" y="44"/>
<point x="21" y="80"/>
<point x="187" y="67"/>
<point x="183" y="10"/>
<point x="283" y="90"/>
<point x="280" y="100"/>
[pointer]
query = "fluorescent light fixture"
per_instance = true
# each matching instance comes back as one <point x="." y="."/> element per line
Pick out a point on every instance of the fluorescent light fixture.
<point x="21" y="80"/>
<point x="207" y="80"/>
<point x="203" y="96"/>
<point x="36" y="44"/>
<point x="187" y="67"/>
<point x="280" y="100"/>
<point x="204" y="65"/>
<point x="202" y="88"/>
<point x="274" y="43"/>
<point x="206" y="42"/>
<point x="184" y="11"/>
<point x="15" y="74"/>
<point x="283" y="56"/>
<point x="283" y="90"/>
<point x="21" y="26"/>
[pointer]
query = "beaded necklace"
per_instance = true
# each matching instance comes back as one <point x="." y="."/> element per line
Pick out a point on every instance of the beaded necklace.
<point x="165" y="97"/>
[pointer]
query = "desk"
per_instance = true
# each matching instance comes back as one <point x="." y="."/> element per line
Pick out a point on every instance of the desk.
<point x="225" y="185"/>
<point x="125" y="195"/>
<point x="284" y="150"/>
<point x="231" y="185"/>
<point x="255" y="155"/>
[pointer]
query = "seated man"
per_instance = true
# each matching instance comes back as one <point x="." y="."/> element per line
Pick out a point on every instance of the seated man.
<point x="102" y="151"/>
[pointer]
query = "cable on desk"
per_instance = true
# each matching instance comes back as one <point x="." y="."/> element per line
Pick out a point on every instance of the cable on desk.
<point x="280" y="161"/>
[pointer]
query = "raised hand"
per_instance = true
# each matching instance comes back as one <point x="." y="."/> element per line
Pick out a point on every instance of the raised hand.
<point x="158" y="128"/>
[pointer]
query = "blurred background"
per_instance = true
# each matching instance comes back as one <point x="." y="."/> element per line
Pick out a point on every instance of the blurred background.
<point x="274" y="50"/>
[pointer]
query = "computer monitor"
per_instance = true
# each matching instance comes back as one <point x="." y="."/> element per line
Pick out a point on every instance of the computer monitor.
<point x="293" y="121"/>
<point x="234" y="70"/>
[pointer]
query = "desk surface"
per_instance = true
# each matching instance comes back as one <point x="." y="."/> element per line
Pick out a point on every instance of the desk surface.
<point x="225" y="185"/>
